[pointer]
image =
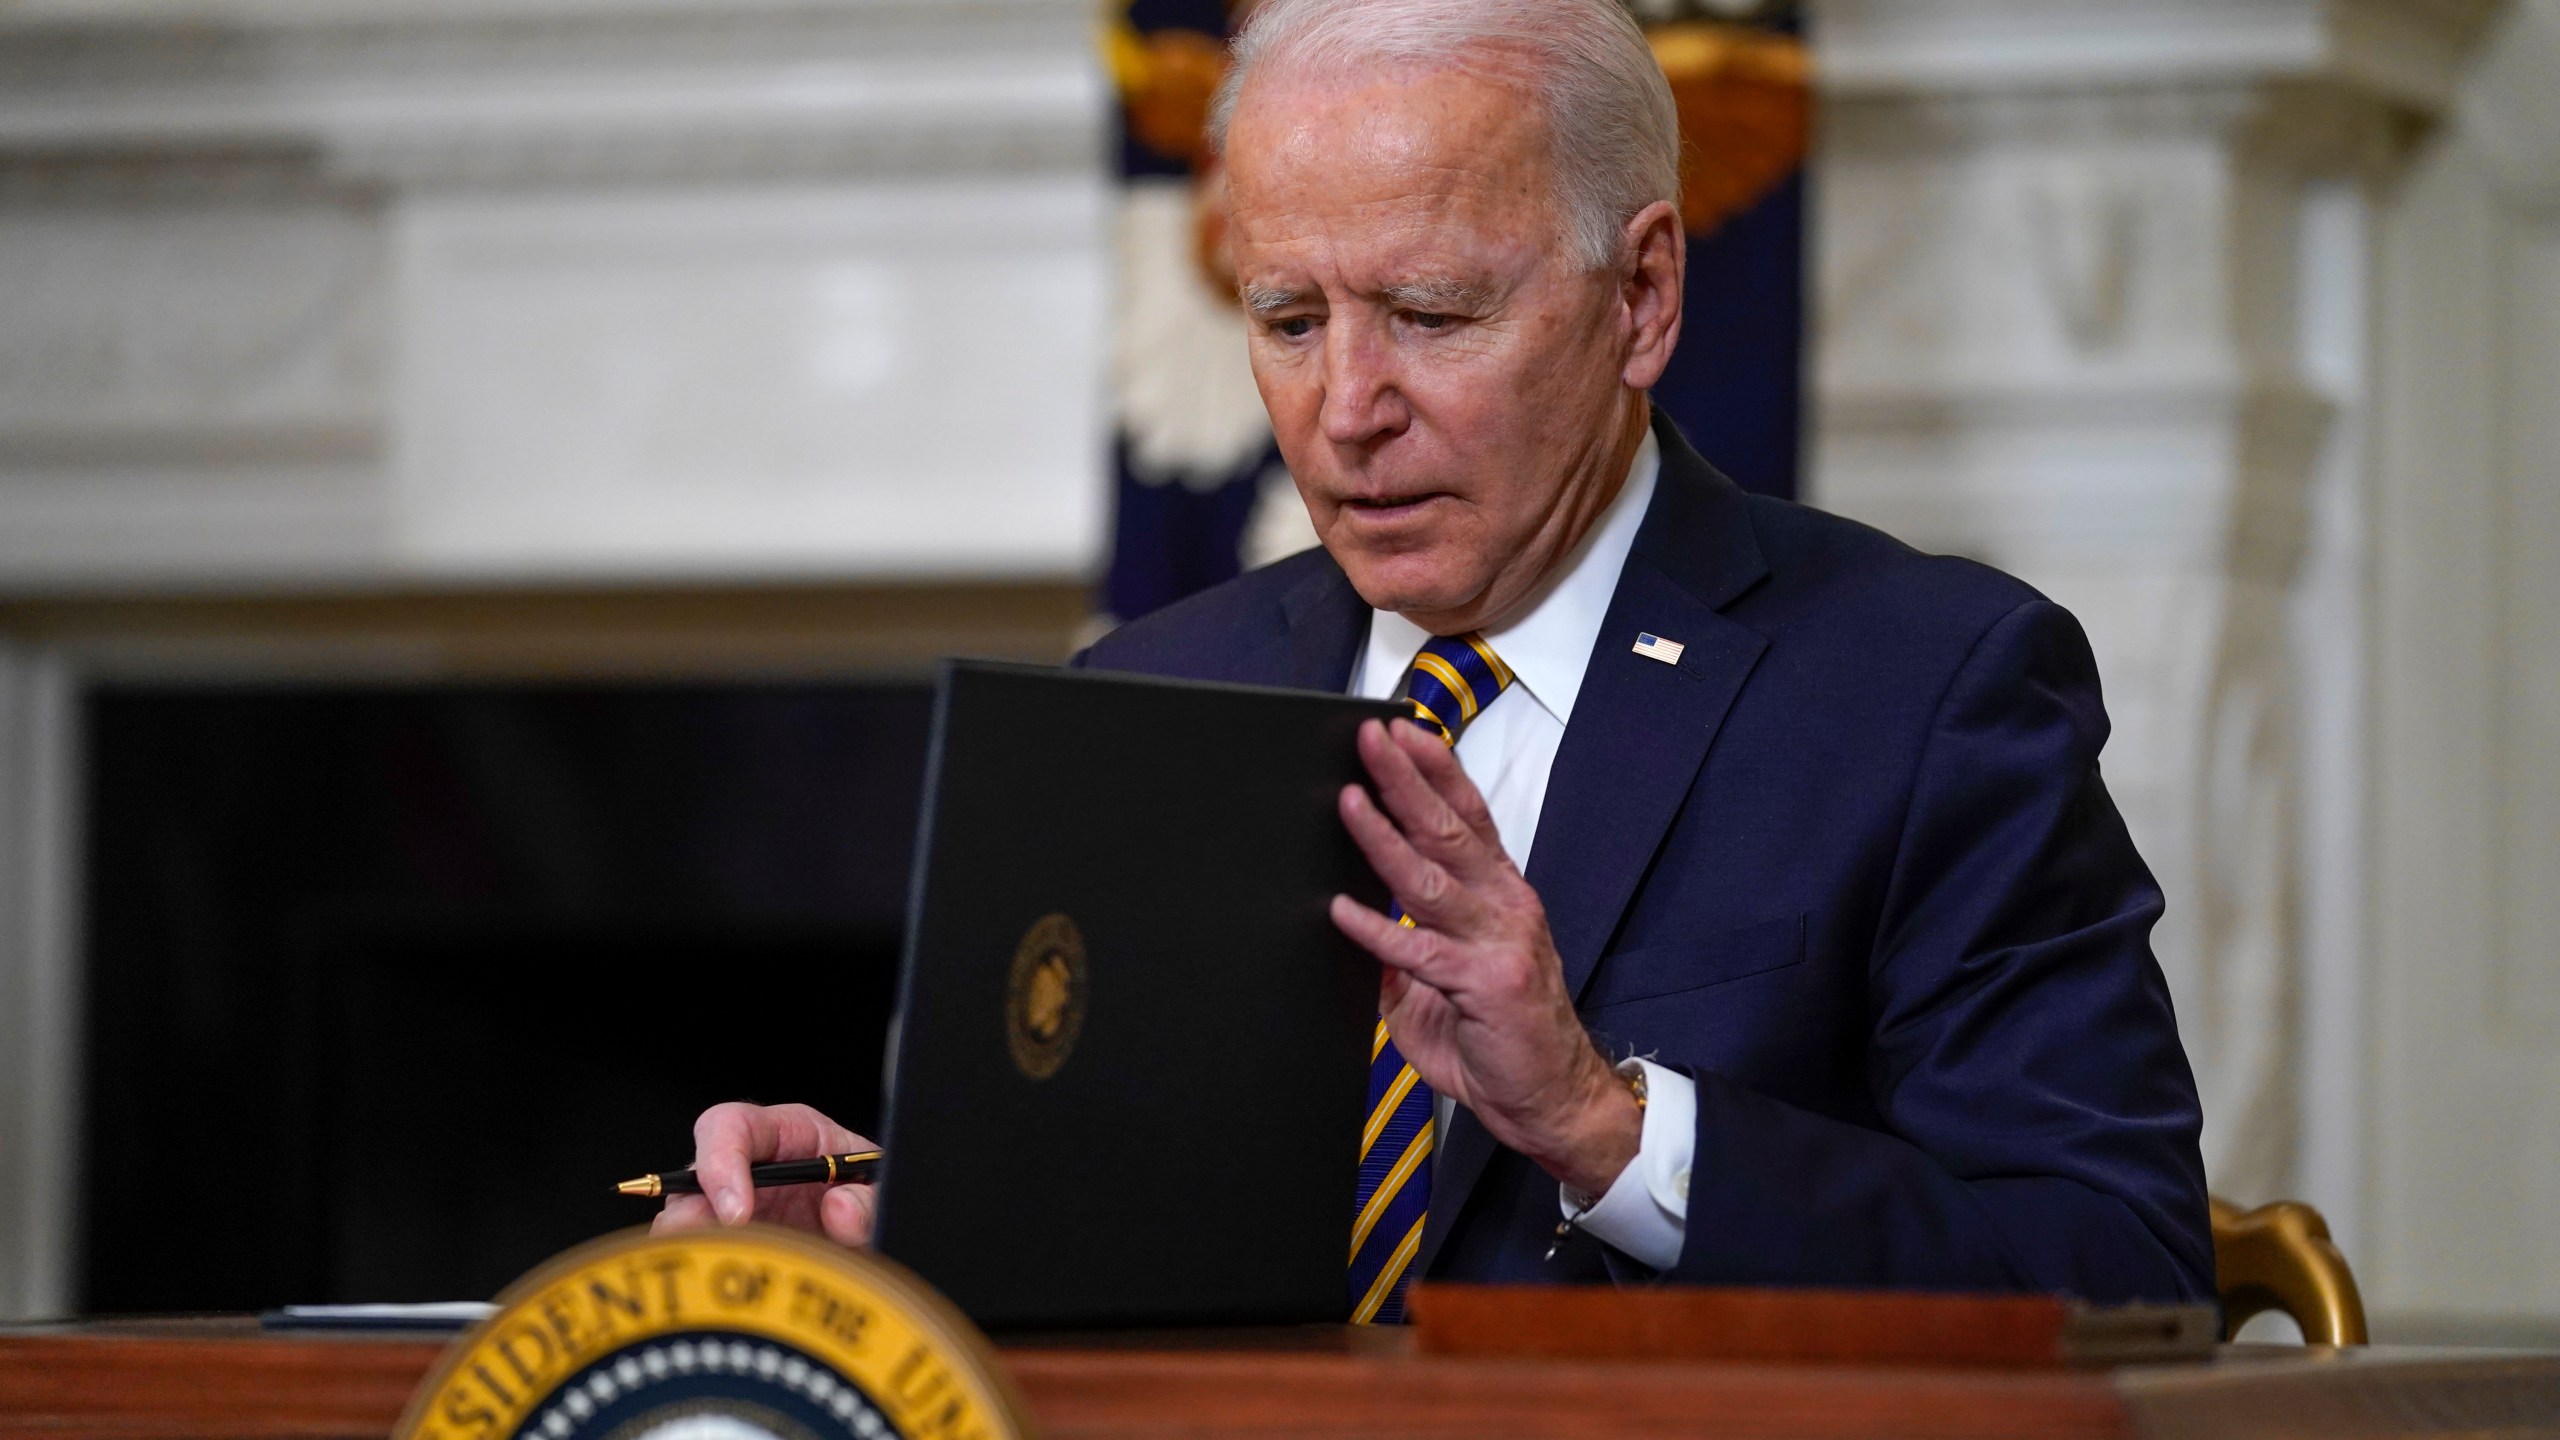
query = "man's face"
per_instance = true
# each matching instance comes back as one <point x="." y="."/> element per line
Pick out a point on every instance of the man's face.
<point x="1446" y="381"/>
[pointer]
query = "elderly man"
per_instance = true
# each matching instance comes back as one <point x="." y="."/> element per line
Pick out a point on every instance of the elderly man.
<point x="1799" y="828"/>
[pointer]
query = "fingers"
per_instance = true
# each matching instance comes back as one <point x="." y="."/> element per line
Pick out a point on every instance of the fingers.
<point x="845" y="1213"/>
<point x="729" y="1138"/>
<point x="1439" y="810"/>
<point x="1408" y="952"/>
<point x="1430" y="822"/>
<point x="1393" y="986"/>
<point x="802" y="1125"/>
<point x="1439" y="765"/>
<point x="726" y="1140"/>
<point x="1429" y="892"/>
<point x="683" y="1212"/>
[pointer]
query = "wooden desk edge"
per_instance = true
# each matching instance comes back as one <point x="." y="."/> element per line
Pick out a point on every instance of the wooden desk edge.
<point x="231" y="1382"/>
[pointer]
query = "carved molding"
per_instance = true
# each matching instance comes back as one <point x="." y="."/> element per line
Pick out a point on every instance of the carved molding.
<point x="2083" y="220"/>
<point x="204" y="333"/>
<point x="329" y="293"/>
<point x="2188" y="477"/>
<point x="2408" y="52"/>
<point x="474" y="94"/>
<point x="2511" y="113"/>
<point x="2063" y="282"/>
<point x="191" y="201"/>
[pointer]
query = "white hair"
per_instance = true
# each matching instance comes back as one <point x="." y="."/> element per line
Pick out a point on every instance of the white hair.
<point x="1609" y="112"/>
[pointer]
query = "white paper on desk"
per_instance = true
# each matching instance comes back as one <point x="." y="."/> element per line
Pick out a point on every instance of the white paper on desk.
<point x="433" y="1312"/>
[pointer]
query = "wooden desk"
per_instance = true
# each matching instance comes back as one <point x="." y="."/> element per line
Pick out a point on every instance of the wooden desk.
<point x="224" y="1380"/>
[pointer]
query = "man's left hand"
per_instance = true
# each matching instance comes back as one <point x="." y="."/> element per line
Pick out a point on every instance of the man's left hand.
<point x="1474" y="989"/>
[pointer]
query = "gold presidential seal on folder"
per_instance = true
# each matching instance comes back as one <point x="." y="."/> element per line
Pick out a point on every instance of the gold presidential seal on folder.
<point x="753" y="1333"/>
<point x="1045" y="996"/>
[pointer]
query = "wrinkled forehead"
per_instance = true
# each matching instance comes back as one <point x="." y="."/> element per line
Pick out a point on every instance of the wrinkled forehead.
<point x="1388" y="153"/>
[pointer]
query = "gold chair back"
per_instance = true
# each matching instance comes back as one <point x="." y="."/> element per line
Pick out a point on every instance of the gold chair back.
<point x="2279" y="1257"/>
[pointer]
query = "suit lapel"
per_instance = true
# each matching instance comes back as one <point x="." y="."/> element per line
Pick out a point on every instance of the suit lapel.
<point x="1323" y="624"/>
<point x="1328" y="621"/>
<point x="1640" y="731"/>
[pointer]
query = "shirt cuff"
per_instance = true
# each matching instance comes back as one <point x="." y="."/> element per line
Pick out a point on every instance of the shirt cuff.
<point x="1645" y="1215"/>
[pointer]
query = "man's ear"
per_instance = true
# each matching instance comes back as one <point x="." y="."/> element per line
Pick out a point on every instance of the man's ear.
<point x="1653" y="280"/>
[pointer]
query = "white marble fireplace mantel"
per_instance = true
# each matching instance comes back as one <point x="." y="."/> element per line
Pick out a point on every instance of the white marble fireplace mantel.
<point x="545" y="338"/>
<point x="302" y="295"/>
<point x="2095" y="306"/>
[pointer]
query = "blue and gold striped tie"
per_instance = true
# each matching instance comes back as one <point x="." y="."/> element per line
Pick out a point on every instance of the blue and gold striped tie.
<point x="1453" y="678"/>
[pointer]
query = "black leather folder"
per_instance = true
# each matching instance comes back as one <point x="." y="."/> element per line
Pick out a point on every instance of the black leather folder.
<point x="1131" y="1049"/>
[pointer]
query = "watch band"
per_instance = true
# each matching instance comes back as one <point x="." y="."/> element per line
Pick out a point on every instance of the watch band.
<point x="1631" y="1070"/>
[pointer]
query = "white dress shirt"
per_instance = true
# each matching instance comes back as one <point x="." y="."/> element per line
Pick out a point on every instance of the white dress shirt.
<point x="1507" y="751"/>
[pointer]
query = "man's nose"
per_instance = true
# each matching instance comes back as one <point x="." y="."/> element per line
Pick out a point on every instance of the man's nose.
<point x="1363" y="399"/>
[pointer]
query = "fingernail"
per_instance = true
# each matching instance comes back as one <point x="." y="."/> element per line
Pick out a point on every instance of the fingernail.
<point x="731" y="1205"/>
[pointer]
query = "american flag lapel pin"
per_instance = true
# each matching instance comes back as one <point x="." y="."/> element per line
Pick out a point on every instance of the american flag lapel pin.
<point x="1654" y="647"/>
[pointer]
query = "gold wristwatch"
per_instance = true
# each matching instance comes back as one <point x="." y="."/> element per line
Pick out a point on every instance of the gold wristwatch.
<point x="1630" y="1070"/>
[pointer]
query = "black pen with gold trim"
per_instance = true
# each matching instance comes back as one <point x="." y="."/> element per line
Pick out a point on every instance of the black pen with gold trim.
<point x="850" y="1169"/>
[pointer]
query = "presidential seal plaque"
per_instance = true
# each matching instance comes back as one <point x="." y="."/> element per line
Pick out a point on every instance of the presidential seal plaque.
<point x="755" y="1333"/>
<point x="1045" y="996"/>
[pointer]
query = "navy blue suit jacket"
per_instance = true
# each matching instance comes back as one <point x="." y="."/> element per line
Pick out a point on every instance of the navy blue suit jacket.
<point x="1850" y="865"/>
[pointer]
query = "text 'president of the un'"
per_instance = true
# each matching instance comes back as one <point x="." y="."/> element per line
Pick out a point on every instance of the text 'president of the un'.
<point x="1810" y="822"/>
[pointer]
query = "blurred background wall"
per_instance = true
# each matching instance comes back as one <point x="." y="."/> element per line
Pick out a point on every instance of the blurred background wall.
<point x="482" y="483"/>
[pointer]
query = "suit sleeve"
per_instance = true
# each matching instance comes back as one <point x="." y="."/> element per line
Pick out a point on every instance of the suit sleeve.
<point x="2041" y="1117"/>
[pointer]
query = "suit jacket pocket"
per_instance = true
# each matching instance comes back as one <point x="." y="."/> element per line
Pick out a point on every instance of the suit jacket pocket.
<point x="1653" y="971"/>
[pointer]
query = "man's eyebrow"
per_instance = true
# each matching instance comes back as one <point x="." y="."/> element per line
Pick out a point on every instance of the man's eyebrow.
<point x="1439" y="294"/>
<point x="1265" y="300"/>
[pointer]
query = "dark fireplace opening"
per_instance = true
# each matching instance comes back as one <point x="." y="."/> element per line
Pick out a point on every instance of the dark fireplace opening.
<point x="385" y="986"/>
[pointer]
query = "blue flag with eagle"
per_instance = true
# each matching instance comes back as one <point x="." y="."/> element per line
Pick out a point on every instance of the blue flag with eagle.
<point x="1201" y="491"/>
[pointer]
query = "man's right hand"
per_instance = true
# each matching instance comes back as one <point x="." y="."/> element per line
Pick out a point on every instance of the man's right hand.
<point x="729" y="1138"/>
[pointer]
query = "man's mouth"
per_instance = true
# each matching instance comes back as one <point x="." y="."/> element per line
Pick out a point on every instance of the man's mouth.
<point x="1387" y="507"/>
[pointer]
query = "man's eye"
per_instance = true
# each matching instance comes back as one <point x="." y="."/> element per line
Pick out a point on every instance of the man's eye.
<point x="1430" y="321"/>
<point x="1296" y="327"/>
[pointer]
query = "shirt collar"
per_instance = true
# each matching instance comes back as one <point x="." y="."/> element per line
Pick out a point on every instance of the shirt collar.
<point x="1549" y="647"/>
